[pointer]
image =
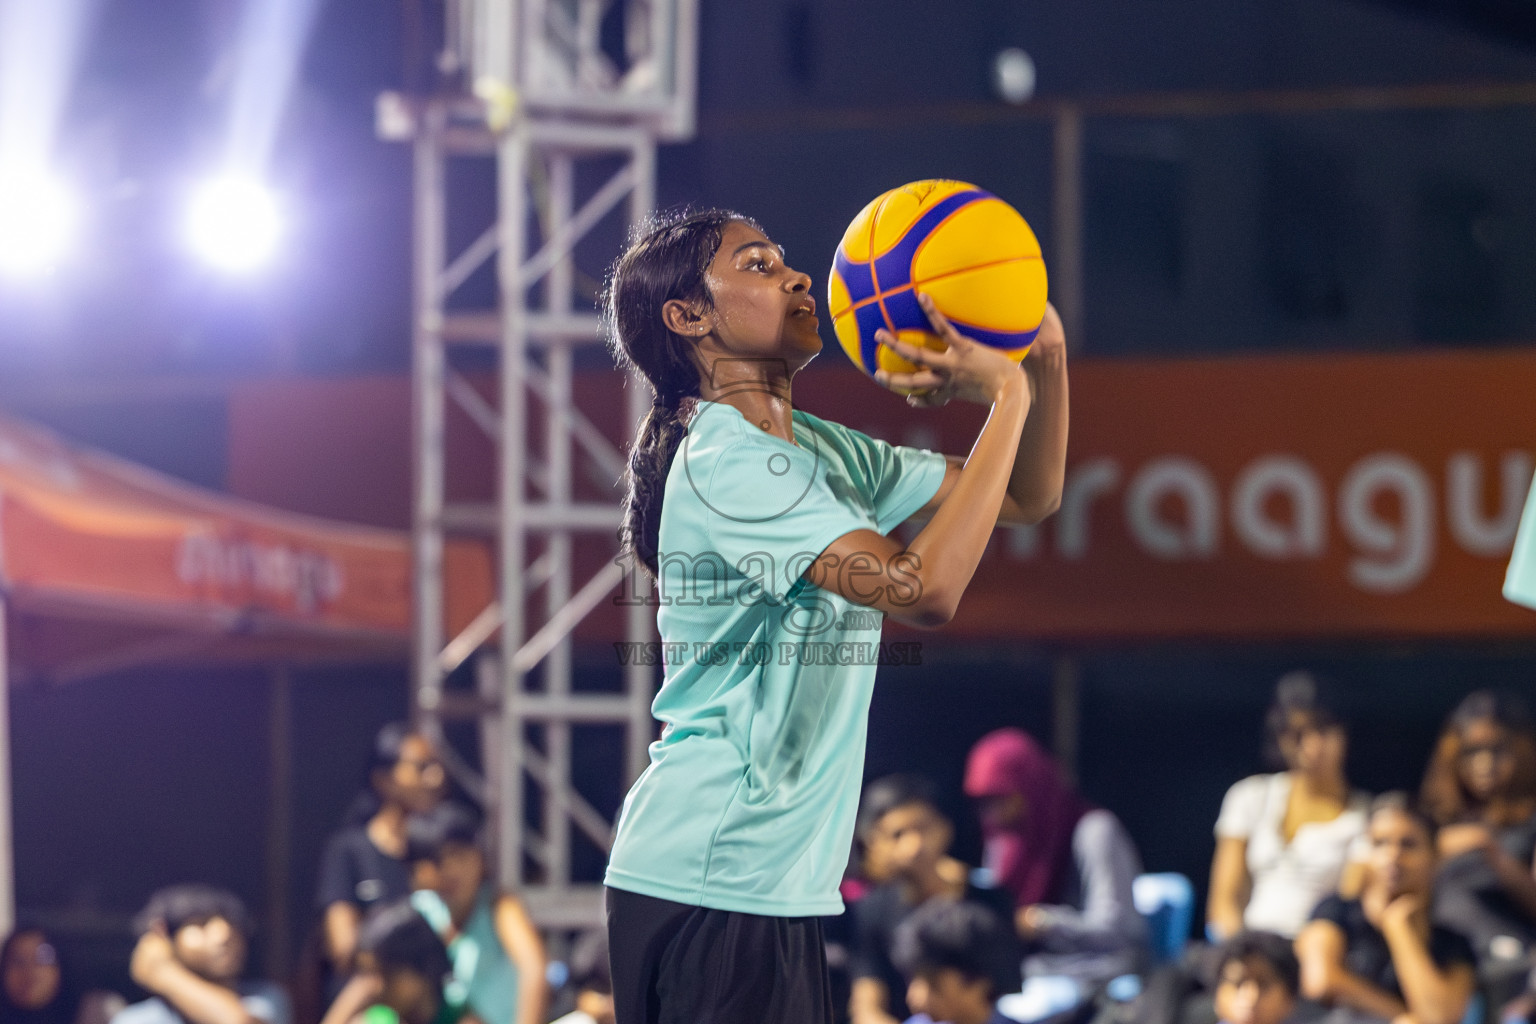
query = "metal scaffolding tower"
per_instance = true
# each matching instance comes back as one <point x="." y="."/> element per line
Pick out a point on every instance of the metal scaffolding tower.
<point x="548" y="92"/>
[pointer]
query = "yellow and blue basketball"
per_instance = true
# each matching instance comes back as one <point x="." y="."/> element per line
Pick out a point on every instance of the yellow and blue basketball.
<point x="965" y="247"/>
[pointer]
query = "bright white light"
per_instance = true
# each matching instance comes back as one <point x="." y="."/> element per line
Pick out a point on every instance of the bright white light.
<point x="235" y="224"/>
<point x="37" y="221"/>
<point x="1013" y="74"/>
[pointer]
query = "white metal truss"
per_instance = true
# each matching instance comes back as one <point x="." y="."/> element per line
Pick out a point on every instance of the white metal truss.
<point x="541" y="99"/>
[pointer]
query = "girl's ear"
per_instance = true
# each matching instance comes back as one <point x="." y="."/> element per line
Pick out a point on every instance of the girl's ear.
<point x="682" y="318"/>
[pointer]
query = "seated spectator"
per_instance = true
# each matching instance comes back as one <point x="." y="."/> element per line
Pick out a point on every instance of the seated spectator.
<point x="190" y="956"/>
<point x="959" y="959"/>
<point x="498" y="957"/>
<point x="402" y="976"/>
<point x="1283" y="840"/>
<point x="1481" y="789"/>
<point x="364" y="863"/>
<point x="904" y="831"/>
<point x="36" y="986"/>
<point x="1067" y="864"/>
<point x="1257" y="979"/>
<point x="591" y="979"/>
<point x="1380" y="956"/>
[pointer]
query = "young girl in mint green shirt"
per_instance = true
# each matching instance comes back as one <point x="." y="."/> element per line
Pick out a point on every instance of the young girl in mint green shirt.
<point x="767" y="531"/>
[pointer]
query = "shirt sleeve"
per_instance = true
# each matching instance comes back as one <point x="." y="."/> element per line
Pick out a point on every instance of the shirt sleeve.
<point x="1241" y="809"/>
<point x="1333" y="910"/>
<point x="1449" y="948"/>
<point x="337" y="882"/>
<point x="1108" y="864"/>
<point x="771" y="509"/>
<point x="901" y="480"/>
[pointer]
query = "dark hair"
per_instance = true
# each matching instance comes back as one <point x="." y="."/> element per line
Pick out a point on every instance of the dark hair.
<point x="667" y="259"/>
<point x="1400" y="802"/>
<point x="427" y="834"/>
<point x="194" y="903"/>
<point x="1443" y="794"/>
<point x="590" y="971"/>
<point x="966" y="937"/>
<point x="1298" y="693"/>
<point x="1272" y="949"/>
<point x="396" y="936"/>
<point x="889" y="792"/>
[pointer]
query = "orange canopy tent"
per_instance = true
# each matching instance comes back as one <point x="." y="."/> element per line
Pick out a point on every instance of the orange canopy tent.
<point x="105" y="565"/>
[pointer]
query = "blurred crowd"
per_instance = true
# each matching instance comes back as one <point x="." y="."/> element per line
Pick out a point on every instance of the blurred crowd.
<point x="1323" y="901"/>
<point x="1410" y="907"/>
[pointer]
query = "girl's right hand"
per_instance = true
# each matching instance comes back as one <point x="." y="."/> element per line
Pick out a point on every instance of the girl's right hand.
<point x="966" y="369"/>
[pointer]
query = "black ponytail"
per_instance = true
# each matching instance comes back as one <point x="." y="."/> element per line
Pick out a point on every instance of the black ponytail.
<point x="667" y="260"/>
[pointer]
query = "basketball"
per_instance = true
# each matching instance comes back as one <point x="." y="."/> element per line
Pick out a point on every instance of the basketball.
<point x="968" y="249"/>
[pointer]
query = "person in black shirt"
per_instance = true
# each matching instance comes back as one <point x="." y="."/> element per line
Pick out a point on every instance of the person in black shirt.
<point x="959" y="958"/>
<point x="365" y="862"/>
<point x="903" y="828"/>
<point x="1380" y="956"/>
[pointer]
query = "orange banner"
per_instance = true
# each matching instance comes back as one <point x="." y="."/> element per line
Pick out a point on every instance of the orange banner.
<point x="1252" y="497"/>
<point x="1261" y="497"/>
<point x="86" y="535"/>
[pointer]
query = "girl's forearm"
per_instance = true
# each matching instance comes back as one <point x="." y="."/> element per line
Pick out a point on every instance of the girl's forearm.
<point x="947" y="550"/>
<point x="1040" y="464"/>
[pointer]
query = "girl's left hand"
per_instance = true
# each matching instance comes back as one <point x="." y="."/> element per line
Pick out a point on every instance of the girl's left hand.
<point x="1050" y="340"/>
<point x="964" y="369"/>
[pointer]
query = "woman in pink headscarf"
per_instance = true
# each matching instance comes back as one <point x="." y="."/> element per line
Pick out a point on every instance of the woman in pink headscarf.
<point x="1068" y="864"/>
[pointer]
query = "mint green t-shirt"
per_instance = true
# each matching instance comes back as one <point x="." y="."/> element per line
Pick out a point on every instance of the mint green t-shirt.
<point x="749" y="799"/>
<point x="1520" y="580"/>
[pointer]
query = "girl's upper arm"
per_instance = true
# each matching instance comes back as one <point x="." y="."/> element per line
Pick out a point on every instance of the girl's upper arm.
<point x="515" y="929"/>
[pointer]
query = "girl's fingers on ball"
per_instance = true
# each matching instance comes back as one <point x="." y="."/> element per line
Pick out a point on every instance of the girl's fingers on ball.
<point x="909" y="381"/>
<point x="912" y="353"/>
<point x="940" y="322"/>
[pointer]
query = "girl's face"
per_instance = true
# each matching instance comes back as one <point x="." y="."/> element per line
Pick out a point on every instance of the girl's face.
<point x="1486" y="761"/>
<point x="1251" y="992"/>
<point x="460" y="873"/>
<point x="1311" y="748"/>
<point x="912" y="838"/>
<point x="213" y="949"/>
<point x="417" y="779"/>
<point x="30" y="972"/>
<point x="410" y="994"/>
<point x="1402" y="857"/>
<point x="762" y="308"/>
<point x="1001" y="813"/>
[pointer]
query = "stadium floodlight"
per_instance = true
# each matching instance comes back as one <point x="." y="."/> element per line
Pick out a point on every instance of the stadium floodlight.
<point x="37" y="222"/>
<point x="234" y="224"/>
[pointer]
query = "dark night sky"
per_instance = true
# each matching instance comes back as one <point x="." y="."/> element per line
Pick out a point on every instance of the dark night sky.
<point x="149" y="102"/>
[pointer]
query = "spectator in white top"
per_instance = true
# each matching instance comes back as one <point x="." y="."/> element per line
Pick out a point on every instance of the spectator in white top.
<point x="1284" y="841"/>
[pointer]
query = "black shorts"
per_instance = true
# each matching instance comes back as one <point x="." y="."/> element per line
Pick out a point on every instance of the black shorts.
<point x="676" y="964"/>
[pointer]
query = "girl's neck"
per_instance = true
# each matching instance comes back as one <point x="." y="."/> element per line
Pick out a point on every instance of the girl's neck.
<point x="460" y="913"/>
<point x="1324" y="785"/>
<point x="386" y="829"/>
<point x="758" y="389"/>
<point x="946" y="880"/>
